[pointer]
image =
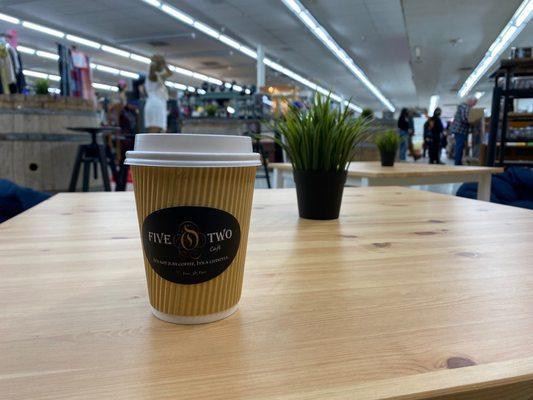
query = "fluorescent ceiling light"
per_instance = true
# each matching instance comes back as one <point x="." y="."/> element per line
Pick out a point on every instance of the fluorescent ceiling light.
<point x="513" y="28"/>
<point x="249" y="52"/>
<point x="247" y="91"/>
<point x="43" y="29"/>
<point x="105" y="68"/>
<point x="479" y="95"/>
<point x="85" y="42"/>
<point x="524" y="12"/>
<point x="105" y="87"/>
<point x="139" y="58"/>
<point x="114" y="50"/>
<point x="46" y="54"/>
<point x="191" y="89"/>
<point x="177" y="14"/>
<point x="35" y="74"/>
<point x="180" y="86"/>
<point x="129" y="74"/>
<point x="237" y="88"/>
<point x="214" y="81"/>
<point x="206" y="29"/>
<point x="227" y="85"/>
<point x="201" y="91"/>
<point x="433" y="102"/>
<point x="322" y="34"/>
<point x="229" y="41"/>
<point x="55" y="78"/>
<point x="154" y="3"/>
<point x="10" y="19"/>
<point x="54" y="90"/>
<point x="180" y="70"/>
<point x="27" y="50"/>
<point x="230" y="110"/>
<point x="199" y="76"/>
<point x="308" y="20"/>
<point x="293" y="4"/>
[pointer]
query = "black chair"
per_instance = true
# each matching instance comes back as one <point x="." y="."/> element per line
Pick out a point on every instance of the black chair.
<point x="93" y="154"/>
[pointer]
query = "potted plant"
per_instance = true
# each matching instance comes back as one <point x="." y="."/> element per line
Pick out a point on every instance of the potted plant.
<point x="367" y="113"/>
<point x="388" y="143"/>
<point x="320" y="142"/>
<point x="41" y="86"/>
<point x="211" y="110"/>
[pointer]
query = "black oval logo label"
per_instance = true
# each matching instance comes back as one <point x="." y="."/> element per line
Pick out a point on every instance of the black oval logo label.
<point x="190" y="244"/>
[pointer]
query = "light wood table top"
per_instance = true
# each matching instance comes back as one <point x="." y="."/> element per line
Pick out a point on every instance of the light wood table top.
<point x="384" y="303"/>
<point x="373" y="169"/>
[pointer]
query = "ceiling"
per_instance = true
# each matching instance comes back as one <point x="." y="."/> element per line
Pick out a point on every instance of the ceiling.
<point x="380" y="35"/>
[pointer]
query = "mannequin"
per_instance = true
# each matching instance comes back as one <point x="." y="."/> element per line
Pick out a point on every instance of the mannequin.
<point x="155" y="109"/>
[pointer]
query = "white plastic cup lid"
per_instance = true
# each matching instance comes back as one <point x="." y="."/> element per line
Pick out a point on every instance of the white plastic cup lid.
<point x="192" y="150"/>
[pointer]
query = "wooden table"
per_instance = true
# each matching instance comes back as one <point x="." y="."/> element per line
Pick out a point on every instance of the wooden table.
<point x="370" y="173"/>
<point x="388" y="302"/>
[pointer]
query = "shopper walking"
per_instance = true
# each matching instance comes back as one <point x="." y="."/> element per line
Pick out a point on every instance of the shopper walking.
<point x="155" y="109"/>
<point x="403" y="131"/>
<point x="460" y="127"/>
<point x="435" y="133"/>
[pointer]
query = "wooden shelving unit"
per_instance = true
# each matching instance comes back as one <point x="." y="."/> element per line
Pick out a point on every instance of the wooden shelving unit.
<point x="505" y="148"/>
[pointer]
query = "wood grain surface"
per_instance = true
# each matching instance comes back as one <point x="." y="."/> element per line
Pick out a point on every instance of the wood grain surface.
<point x="373" y="169"/>
<point x="409" y="295"/>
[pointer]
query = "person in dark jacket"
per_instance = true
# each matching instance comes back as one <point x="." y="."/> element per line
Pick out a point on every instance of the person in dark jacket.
<point x="403" y="131"/>
<point x="435" y="133"/>
<point x="427" y="136"/>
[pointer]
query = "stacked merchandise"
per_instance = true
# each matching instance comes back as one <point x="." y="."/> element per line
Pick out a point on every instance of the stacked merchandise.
<point x="75" y="72"/>
<point x="11" y="75"/>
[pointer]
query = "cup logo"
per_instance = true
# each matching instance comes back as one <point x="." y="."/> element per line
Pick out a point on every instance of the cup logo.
<point x="190" y="240"/>
<point x="190" y="245"/>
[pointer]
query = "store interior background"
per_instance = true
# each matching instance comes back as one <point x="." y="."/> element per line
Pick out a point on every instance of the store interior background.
<point x="410" y="50"/>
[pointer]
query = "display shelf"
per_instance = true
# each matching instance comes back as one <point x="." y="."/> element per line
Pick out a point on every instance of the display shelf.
<point x="503" y="150"/>
<point x="515" y="115"/>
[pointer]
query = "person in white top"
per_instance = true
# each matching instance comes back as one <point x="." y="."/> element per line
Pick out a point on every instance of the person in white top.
<point x="155" y="108"/>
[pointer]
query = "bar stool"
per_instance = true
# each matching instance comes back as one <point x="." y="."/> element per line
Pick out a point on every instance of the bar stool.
<point x="93" y="154"/>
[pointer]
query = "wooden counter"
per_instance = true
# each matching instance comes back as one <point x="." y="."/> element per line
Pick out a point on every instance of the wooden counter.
<point x="409" y="295"/>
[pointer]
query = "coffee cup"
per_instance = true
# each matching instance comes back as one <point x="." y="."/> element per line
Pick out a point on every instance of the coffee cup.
<point x="193" y="195"/>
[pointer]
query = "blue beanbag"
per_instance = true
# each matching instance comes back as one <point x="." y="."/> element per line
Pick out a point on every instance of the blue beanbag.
<point x="514" y="187"/>
<point x="15" y="199"/>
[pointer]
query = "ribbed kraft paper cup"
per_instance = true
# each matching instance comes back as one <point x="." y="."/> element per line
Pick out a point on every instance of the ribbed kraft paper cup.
<point x="194" y="198"/>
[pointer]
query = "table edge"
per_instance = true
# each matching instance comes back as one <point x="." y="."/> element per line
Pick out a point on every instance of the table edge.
<point x="473" y="170"/>
<point x="434" y="384"/>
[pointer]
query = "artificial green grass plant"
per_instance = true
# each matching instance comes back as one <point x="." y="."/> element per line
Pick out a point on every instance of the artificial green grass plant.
<point x="322" y="138"/>
<point x="388" y="142"/>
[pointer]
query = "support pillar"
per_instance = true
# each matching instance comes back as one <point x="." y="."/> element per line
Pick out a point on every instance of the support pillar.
<point x="260" y="67"/>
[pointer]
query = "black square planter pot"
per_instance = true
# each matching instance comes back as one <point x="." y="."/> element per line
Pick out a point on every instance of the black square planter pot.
<point x="319" y="193"/>
<point x="387" y="159"/>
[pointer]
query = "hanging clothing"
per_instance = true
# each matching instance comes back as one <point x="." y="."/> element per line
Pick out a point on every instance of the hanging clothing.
<point x="20" y="82"/>
<point x="155" y="109"/>
<point x="64" y="69"/>
<point x="7" y="71"/>
<point x="81" y="75"/>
